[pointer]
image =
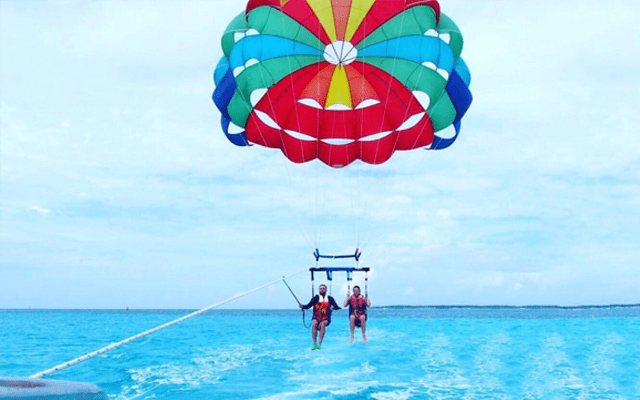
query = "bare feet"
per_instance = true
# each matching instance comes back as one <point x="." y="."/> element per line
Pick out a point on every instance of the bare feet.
<point x="351" y="340"/>
<point x="364" y="339"/>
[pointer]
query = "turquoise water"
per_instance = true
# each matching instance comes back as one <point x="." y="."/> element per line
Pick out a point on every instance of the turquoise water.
<point x="448" y="353"/>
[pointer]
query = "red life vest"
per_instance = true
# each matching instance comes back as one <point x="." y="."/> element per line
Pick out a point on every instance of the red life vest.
<point x="321" y="308"/>
<point x="357" y="305"/>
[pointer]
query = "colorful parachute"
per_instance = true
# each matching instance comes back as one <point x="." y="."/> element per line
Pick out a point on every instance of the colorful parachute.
<point x="341" y="80"/>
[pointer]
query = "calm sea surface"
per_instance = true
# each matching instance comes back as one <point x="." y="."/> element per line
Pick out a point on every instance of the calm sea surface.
<point x="445" y="353"/>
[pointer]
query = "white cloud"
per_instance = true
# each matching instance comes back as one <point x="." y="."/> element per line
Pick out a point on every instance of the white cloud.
<point x="408" y="292"/>
<point x="40" y="210"/>
<point x="114" y="138"/>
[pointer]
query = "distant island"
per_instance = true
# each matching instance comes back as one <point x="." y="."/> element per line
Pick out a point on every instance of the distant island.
<point x="448" y="307"/>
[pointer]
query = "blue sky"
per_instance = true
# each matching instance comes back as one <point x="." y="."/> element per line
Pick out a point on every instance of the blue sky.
<point x="118" y="188"/>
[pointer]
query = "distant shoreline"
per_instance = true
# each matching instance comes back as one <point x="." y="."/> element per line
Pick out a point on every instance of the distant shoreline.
<point x="531" y="307"/>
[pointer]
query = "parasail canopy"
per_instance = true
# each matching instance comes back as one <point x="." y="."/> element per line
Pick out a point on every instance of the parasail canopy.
<point x="342" y="80"/>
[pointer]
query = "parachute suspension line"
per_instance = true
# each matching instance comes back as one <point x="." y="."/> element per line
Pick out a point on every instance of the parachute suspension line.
<point x="317" y="199"/>
<point x="366" y="284"/>
<point x="354" y="194"/>
<point x="361" y="207"/>
<point x="386" y="105"/>
<point x="354" y="210"/>
<point x="287" y="171"/>
<point x="358" y="225"/>
<point x="359" y="189"/>
<point x="112" y="346"/>
<point x="300" y="221"/>
<point x="317" y="171"/>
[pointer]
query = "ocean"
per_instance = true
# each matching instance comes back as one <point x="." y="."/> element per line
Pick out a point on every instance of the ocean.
<point x="413" y="353"/>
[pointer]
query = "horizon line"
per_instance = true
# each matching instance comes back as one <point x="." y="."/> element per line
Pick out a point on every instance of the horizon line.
<point x="397" y="306"/>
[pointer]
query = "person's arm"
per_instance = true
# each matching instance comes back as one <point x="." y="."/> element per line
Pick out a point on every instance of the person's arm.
<point x="313" y="302"/>
<point x="368" y="300"/>
<point x="332" y="303"/>
<point x="346" y="301"/>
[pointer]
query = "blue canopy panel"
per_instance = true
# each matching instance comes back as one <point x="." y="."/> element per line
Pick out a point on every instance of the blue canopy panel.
<point x="37" y="389"/>
<point x="460" y="95"/>
<point x="264" y="47"/>
<point x="221" y="70"/>
<point x="225" y="88"/>
<point x="462" y="70"/>
<point x="416" y="48"/>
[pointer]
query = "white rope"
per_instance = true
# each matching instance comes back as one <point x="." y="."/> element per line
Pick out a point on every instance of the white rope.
<point x="112" y="346"/>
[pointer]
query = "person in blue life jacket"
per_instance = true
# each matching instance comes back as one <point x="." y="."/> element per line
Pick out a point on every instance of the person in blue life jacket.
<point x="323" y="305"/>
<point x="357" y="312"/>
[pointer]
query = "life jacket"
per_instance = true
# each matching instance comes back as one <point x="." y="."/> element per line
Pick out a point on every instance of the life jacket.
<point x="357" y="305"/>
<point x="321" y="308"/>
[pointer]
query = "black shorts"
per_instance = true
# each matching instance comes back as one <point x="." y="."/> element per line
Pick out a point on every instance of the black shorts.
<point x="358" y="322"/>
<point x="320" y="321"/>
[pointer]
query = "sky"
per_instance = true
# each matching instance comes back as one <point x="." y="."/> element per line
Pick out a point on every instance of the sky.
<point x="118" y="188"/>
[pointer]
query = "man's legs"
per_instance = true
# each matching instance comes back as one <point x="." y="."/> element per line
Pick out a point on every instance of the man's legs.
<point x="323" y="327"/>
<point x="352" y="326"/>
<point x="314" y="331"/>
<point x="363" y="325"/>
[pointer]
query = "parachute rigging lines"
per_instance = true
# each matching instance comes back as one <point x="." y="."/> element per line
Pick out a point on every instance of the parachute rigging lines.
<point x="330" y="270"/>
<point x="342" y="81"/>
<point x="329" y="273"/>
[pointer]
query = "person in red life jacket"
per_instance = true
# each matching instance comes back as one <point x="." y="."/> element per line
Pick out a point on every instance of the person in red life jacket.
<point x="357" y="312"/>
<point x="323" y="305"/>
